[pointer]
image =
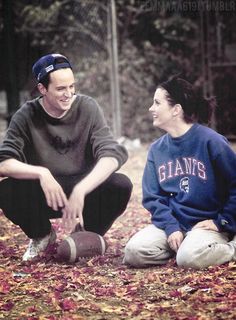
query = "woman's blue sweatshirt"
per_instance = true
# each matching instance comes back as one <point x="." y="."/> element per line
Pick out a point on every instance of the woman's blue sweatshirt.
<point x="190" y="179"/>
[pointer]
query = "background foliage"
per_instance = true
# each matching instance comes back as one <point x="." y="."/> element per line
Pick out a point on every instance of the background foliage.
<point x="155" y="41"/>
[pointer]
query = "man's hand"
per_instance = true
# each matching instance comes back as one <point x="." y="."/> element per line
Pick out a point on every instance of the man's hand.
<point x="55" y="196"/>
<point x="175" y="239"/>
<point x="206" y="225"/>
<point x="74" y="209"/>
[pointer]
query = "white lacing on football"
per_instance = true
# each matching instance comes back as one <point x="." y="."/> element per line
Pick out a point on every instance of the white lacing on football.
<point x="102" y="244"/>
<point x="72" y="246"/>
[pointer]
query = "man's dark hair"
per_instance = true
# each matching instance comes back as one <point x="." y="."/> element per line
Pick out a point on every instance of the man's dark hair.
<point x="46" y="80"/>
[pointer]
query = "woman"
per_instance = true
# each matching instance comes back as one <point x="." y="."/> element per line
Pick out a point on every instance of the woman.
<point x="189" y="186"/>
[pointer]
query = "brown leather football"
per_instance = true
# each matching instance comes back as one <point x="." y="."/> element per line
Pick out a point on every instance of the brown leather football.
<point x="81" y="244"/>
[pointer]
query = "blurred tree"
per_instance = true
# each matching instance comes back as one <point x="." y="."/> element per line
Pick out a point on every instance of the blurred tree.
<point x="154" y="43"/>
<point x="64" y="24"/>
<point x="77" y="29"/>
<point x="166" y="37"/>
<point x="9" y="56"/>
<point x="153" y="46"/>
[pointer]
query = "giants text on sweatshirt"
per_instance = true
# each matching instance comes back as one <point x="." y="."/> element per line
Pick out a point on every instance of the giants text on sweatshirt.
<point x="190" y="179"/>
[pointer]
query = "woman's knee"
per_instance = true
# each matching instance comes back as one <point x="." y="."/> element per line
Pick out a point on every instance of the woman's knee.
<point x="204" y="256"/>
<point x="192" y="258"/>
<point x="185" y="259"/>
<point x="133" y="255"/>
<point x="140" y="255"/>
<point x="197" y="255"/>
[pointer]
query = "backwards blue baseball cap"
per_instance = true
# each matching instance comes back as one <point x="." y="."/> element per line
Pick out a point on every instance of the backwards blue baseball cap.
<point x="49" y="63"/>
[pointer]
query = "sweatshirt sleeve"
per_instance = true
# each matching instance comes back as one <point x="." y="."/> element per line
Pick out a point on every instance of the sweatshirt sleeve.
<point x="15" y="139"/>
<point x="156" y="201"/>
<point x="103" y="142"/>
<point x="225" y="164"/>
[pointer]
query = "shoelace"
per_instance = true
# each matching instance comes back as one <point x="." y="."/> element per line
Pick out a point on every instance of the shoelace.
<point x="33" y="247"/>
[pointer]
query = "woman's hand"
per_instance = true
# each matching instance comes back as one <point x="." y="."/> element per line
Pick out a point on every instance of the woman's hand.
<point x="206" y="225"/>
<point x="175" y="239"/>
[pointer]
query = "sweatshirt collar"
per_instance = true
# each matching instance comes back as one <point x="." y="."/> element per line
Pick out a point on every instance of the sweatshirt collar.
<point x="186" y="136"/>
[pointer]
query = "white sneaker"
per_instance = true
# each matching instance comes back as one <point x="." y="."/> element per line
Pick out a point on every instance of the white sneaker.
<point x="39" y="245"/>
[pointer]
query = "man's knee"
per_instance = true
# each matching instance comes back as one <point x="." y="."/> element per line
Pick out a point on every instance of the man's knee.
<point x="120" y="189"/>
<point x="121" y="182"/>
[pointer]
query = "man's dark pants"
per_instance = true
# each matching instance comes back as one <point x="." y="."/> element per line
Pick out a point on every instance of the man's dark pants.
<point x="23" y="202"/>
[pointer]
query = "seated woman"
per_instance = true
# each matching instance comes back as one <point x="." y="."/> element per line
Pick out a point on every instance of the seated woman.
<point x="189" y="186"/>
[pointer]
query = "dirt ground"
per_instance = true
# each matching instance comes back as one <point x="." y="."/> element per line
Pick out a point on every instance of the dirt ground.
<point x="103" y="288"/>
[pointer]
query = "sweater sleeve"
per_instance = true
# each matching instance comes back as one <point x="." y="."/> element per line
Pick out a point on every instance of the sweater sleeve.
<point x="225" y="164"/>
<point x="103" y="142"/>
<point x="156" y="201"/>
<point x="15" y="140"/>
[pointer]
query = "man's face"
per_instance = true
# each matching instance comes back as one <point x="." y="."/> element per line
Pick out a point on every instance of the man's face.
<point x="59" y="95"/>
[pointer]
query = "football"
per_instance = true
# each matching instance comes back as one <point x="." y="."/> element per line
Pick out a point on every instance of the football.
<point x="81" y="244"/>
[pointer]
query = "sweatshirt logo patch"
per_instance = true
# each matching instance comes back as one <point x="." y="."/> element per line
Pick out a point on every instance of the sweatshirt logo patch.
<point x="184" y="184"/>
<point x="62" y="146"/>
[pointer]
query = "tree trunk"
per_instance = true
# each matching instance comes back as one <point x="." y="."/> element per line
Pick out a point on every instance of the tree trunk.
<point x="11" y="80"/>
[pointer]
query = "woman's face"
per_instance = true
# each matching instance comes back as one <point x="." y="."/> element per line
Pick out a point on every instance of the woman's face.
<point x="162" y="111"/>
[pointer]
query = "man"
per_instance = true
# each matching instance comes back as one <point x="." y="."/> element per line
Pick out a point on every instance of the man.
<point x="60" y="158"/>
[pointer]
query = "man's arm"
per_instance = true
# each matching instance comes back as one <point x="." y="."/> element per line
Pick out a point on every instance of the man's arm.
<point x="19" y="170"/>
<point x="53" y="192"/>
<point x="101" y="171"/>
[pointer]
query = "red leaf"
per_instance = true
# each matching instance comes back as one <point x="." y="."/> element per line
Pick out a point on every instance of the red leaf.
<point x="68" y="304"/>
<point x="4" y="287"/>
<point x="7" y="306"/>
<point x="175" y="294"/>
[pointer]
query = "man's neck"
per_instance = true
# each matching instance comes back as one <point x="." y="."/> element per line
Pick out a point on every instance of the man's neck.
<point x="50" y="114"/>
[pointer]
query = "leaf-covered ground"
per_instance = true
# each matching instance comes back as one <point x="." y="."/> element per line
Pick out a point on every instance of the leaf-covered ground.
<point x="104" y="288"/>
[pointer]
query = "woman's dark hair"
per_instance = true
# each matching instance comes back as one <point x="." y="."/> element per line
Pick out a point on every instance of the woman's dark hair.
<point x="196" y="108"/>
